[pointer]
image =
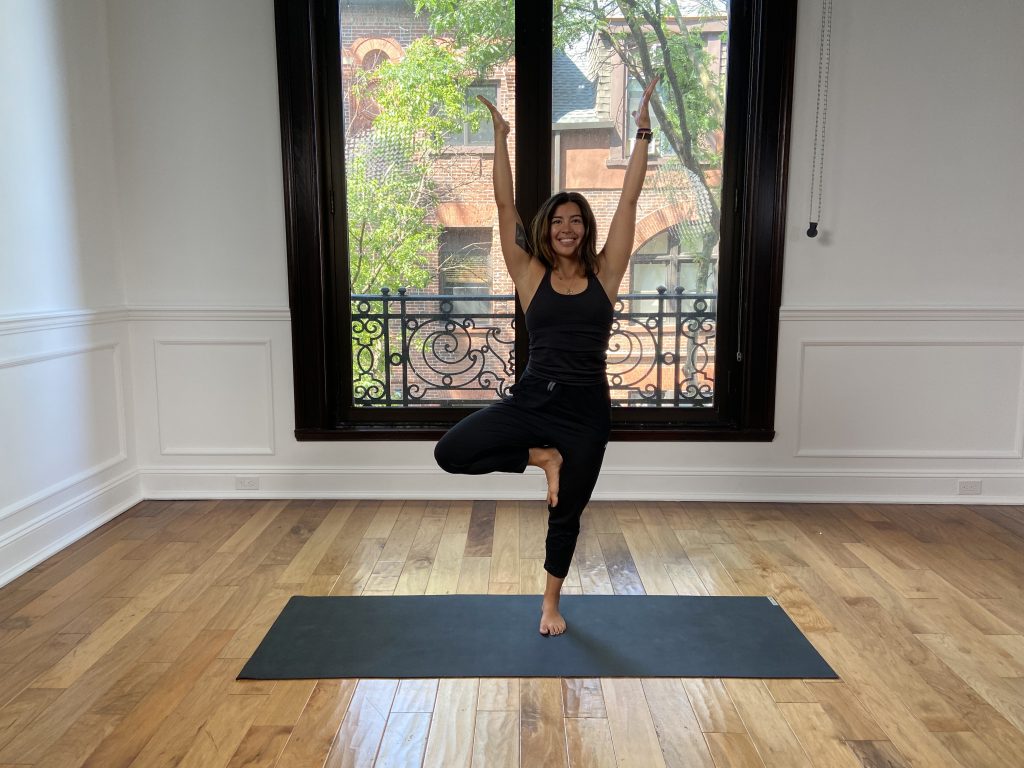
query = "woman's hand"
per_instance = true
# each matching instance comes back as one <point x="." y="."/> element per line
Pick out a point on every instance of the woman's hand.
<point x="501" y="126"/>
<point x="641" y="114"/>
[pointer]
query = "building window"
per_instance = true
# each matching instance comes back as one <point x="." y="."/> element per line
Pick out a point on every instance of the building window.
<point x="634" y="90"/>
<point x="464" y="269"/>
<point x="743" y="224"/>
<point x="482" y="134"/>
<point x="672" y="262"/>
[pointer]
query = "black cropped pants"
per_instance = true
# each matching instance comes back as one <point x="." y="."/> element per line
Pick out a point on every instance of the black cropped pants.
<point x="538" y="413"/>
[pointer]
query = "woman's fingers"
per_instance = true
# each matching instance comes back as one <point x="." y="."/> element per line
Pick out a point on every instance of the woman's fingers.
<point x="496" y="117"/>
<point x="642" y="118"/>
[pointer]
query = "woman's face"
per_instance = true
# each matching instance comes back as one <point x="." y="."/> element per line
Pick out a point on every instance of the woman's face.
<point x="566" y="230"/>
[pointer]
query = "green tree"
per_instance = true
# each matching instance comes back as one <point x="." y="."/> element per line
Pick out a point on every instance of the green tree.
<point x="650" y="37"/>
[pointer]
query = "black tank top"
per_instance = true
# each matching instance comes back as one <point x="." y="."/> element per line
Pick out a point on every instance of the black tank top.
<point x="569" y="332"/>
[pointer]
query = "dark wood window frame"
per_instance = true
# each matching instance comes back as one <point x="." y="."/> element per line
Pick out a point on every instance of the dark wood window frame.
<point x="754" y="189"/>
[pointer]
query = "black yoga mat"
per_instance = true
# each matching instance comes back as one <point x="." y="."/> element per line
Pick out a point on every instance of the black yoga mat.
<point x="496" y="636"/>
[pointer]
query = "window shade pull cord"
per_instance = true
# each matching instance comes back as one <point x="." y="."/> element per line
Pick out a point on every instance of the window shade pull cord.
<point x="820" y="115"/>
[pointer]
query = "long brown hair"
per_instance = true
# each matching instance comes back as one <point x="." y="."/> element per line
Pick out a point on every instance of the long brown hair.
<point x="540" y="230"/>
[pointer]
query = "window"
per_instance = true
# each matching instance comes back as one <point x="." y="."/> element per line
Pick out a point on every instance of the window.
<point x="325" y="219"/>
<point x="465" y="270"/>
<point x="634" y="90"/>
<point x="483" y="132"/>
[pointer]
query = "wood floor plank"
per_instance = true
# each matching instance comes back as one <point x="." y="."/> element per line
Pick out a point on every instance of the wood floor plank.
<point x="499" y="694"/>
<point x="260" y="747"/>
<point x="533" y="528"/>
<point x="878" y="754"/>
<point x="317" y="726"/>
<point x="589" y="558"/>
<point x="415" y="696"/>
<point x="495" y="740"/>
<point x="86" y="653"/>
<point x="285" y="704"/>
<point x="589" y="743"/>
<point x="122" y="746"/>
<point x="775" y="741"/>
<point x="582" y="697"/>
<point x="854" y="722"/>
<point x="733" y="750"/>
<point x="383" y="514"/>
<point x="650" y="566"/>
<point x="447" y="566"/>
<point x="23" y="709"/>
<point x="634" y="734"/>
<point x="340" y="551"/>
<point x="404" y="740"/>
<point x="970" y="749"/>
<point x="362" y="729"/>
<point x="222" y="733"/>
<point x="541" y="723"/>
<point x="313" y="551"/>
<point x="357" y="570"/>
<point x="450" y="740"/>
<point x="818" y="735"/>
<point x="789" y="691"/>
<point x="422" y="554"/>
<point x="403" y="532"/>
<point x="480" y="539"/>
<point x="679" y="733"/>
<point x="712" y="706"/>
<point x="872" y="688"/>
<point x="474" y="575"/>
<point x="78" y="742"/>
<point x="622" y="572"/>
<point x="505" y="556"/>
<point x="34" y="738"/>
<point x="245" y="536"/>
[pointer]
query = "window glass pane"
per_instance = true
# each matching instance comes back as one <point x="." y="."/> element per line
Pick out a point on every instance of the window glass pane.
<point x="421" y="214"/>
<point x="662" y="349"/>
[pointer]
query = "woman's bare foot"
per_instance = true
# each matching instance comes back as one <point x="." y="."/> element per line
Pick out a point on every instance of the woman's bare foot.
<point x="551" y="621"/>
<point x="550" y="460"/>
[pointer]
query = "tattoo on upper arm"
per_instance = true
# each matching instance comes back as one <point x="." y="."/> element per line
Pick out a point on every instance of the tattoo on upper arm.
<point x="521" y="237"/>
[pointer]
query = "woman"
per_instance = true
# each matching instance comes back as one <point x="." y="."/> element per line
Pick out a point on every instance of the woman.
<point x="557" y="416"/>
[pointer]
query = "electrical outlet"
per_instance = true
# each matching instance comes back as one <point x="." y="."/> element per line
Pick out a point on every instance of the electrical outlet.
<point x="247" y="483"/>
<point x="968" y="487"/>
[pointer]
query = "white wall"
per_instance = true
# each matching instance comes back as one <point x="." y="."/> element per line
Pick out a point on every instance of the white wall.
<point x="67" y="439"/>
<point x="147" y="132"/>
<point x="902" y="334"/>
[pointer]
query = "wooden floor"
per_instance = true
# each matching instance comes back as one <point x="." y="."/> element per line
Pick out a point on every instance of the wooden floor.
<point x="122" y="649"/>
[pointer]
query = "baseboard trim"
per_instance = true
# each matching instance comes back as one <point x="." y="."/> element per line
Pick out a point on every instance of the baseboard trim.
<point x="49" y="533"/>
<point x="623" y="484"/>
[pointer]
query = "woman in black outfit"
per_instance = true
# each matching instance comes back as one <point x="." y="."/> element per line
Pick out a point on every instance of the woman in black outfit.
<point x="557" y="415"/>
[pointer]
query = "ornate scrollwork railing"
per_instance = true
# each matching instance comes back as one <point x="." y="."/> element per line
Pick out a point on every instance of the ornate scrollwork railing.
<point x="447" y="350"/>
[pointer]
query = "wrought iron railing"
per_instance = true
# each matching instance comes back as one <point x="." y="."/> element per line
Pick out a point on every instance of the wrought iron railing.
<point x="442" y="350"/>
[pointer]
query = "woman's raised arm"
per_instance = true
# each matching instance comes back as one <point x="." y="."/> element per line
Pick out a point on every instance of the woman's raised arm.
<point x="510" y="226"/>
<point x="619" y="246"/>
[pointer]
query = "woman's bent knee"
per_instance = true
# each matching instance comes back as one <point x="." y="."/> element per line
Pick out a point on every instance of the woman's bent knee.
<point x="444" y="456"/>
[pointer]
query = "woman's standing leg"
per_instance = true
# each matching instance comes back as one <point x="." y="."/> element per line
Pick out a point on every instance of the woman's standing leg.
<point x="582" y="457"/>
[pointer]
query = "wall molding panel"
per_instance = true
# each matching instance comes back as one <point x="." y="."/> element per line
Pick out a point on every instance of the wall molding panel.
<point x="14" y="507"/>
<point x="72" y="430"/>
<point x="931" y="382"/>
<point x="187" y="396"/>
